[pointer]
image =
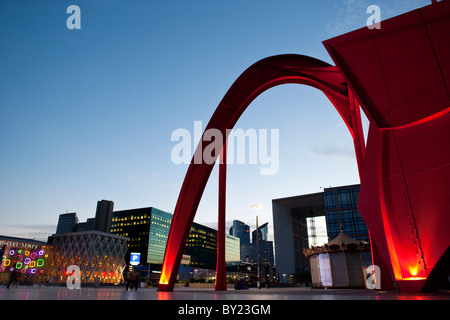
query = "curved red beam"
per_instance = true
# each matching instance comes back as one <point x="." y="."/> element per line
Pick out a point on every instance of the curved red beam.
<point x="261" y="76"/>
<point x="400" y="76"/>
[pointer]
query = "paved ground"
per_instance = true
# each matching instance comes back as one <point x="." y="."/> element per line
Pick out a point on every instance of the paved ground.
<point x="119" y="293"/>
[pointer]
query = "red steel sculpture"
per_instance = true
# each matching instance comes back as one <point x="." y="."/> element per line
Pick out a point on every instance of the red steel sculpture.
<point x="400" y="76"/>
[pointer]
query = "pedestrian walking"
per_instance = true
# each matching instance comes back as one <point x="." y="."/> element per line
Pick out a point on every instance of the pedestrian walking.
<point x="135" y="278"/>
<point x="13" y="279"/>
<point x="128" y="280"/>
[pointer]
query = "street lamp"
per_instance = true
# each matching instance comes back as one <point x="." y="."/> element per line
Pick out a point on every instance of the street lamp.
<point x="258" y="282"/>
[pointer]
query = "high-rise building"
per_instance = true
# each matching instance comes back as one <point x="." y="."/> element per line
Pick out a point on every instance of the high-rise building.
<point x="240" y="230"/>
<point x="66" y="223"/>
<point x="341" y="213"/>
<point x="248" y="252"/>
<point x="148" y="230"/>
<point x="232" y="250"/>
<point x="248" y="249"/>
<point x="134" y="224"/>
<point x="201" y="246"/>
<point x="159" y="232"/>
<point x="103" y="215"/>
<point x="263" y="233"/>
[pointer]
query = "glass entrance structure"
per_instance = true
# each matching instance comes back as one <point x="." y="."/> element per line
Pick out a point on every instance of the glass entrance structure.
<point x="100" y="256"/>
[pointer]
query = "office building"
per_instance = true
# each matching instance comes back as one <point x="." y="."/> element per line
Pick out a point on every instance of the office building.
<point x="68" y="222"/>
<point x="148" y="230"/>
<point x="134" y="224"/>
<point x="103" y="215"/>
<point x="240" y="230"/>
<point x="265" y="247"/>
<point x="249" y="250"/>
<point x="158" y="234"/>
<point x="263" y="233"/>
<point x="232" y="250"/>
<point x="201" y="246"/>
<point x="338" y="205"/>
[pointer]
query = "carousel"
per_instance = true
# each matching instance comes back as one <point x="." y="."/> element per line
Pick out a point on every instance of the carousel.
<point x="339" y="263"/>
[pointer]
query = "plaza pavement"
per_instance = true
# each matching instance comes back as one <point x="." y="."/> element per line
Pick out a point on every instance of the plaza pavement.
<point x="119" y="293"/>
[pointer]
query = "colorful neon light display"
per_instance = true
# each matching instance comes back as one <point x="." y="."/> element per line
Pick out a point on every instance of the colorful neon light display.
<point x="400" y="76"/>
<point x="24" y="261"/>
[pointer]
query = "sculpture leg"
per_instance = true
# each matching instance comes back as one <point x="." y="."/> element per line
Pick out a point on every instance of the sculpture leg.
<point x="221" y="280"/>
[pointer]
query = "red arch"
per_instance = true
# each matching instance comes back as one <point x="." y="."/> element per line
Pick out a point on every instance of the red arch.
<point x="401" y="77"/>
<point x="261" y="76"/>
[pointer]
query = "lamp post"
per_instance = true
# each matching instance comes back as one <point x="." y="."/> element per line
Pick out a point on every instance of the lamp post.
<point x="258" y="282"/>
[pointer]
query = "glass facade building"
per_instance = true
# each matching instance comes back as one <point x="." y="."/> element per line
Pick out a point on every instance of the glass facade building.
<point x="158" y="234"/>
<point x="148" y="230"/>
<point x="67" y="223"/>
<point x="241" y="230"/>
<point x="340" y="207"/>
<point x="201" y="246"/>
<point x="232" y="250"/>
<point x="134" y="224"/>
<point x="263" y="233"/>
<point x="248" y="252"/>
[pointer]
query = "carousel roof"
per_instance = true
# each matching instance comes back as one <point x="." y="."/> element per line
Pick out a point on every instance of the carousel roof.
<point x="343" y="238"/>
<point x="342" y="242"/>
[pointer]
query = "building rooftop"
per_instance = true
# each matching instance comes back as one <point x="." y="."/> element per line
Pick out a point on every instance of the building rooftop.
<point x="15" y="239"/>
<point x="89" y="232"/>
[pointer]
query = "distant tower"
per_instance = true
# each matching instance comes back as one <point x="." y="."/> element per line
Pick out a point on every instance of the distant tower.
<point x="241" y="230"/>
<point x="313" y="232"/>
<point x="103" y="215"/>
<point x="66" y="223"/>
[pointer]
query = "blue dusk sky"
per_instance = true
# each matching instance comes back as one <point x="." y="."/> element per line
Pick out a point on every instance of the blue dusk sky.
<point x="88" y="114"/>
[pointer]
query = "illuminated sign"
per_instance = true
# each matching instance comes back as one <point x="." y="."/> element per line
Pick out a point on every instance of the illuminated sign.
<point x="186" y="259"/>
<point x="23" y="258"/>
<point x="18" y="244"/>
<point x="135" y="258"/>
